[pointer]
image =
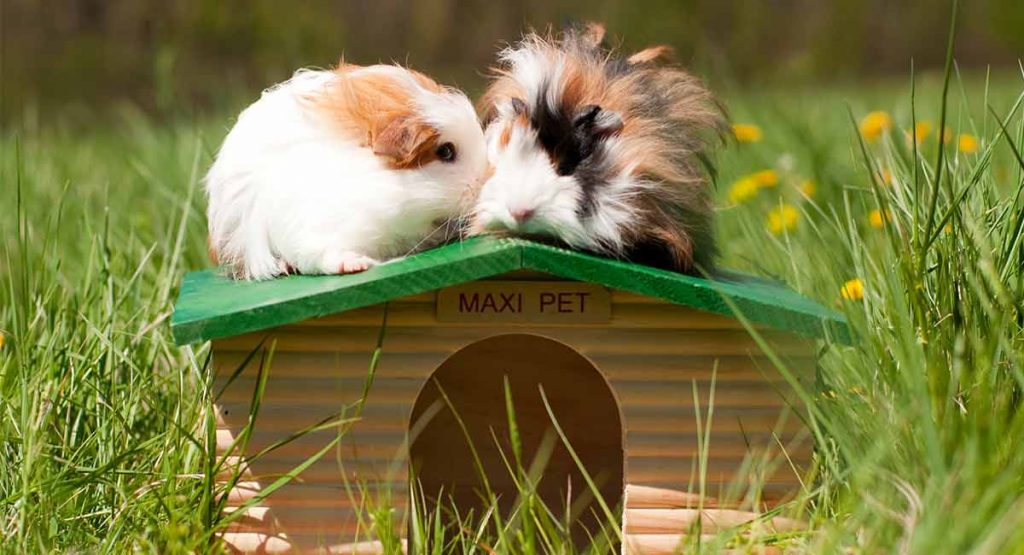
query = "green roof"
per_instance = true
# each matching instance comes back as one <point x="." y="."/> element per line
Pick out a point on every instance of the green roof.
<point x="212" y="306"/>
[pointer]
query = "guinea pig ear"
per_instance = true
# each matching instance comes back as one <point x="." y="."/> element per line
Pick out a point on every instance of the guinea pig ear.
<point x="518" y="107"/>
<point x="597" y="122"/>
<point x="406" y="141"/>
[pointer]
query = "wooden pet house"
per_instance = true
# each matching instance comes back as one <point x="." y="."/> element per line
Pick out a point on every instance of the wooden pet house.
<point x="629" y="358"/>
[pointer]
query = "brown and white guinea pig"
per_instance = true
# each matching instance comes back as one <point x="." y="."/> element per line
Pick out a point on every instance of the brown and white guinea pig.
<point x="599" y="153"/>
<point x="331" y="171"/>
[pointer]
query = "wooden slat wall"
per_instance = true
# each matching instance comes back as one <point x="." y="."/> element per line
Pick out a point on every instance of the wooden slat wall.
<point x="653" y="354"/>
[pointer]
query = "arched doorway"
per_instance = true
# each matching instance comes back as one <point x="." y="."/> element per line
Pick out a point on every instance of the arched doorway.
<point x="473" y="379"/>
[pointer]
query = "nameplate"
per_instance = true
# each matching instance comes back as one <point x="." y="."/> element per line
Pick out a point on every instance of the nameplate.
<point x="533" y="302"/>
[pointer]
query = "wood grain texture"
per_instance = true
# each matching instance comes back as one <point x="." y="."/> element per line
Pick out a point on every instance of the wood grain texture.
<point x="653" y="356"/>
<point x="687" y="521"/>
<point x="675" y="544"/>
<point x="654" y="368"/>
<point x="646" y="497"/>
<point x="261" y="543"/>
<point x="588" y="341"/>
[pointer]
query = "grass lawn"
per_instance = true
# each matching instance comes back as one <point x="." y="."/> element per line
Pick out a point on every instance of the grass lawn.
<point x="102" y="430"/>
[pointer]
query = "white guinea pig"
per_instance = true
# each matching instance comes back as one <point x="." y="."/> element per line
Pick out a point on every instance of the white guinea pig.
<point x="598" y="152"/>
<point x="331" y="171"/>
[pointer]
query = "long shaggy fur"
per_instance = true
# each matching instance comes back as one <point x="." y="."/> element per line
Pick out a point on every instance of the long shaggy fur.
<point x="332" y="171"/>
<point x="629" y="132"/>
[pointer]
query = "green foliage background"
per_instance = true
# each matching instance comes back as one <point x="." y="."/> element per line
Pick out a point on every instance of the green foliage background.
<point x="183" y="55"/>
<point x="103" y="427"/>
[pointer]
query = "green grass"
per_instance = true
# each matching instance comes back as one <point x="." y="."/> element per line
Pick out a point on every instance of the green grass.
<point x="103" y="437"/>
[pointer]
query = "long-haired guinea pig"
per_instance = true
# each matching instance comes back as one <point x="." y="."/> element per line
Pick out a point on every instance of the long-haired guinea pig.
<point x="600" y="153"/>
<point x="331" y="171"/>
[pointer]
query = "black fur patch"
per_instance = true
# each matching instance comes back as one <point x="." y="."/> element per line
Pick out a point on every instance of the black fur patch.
<point x="573" y="144"/>
<point x="557" y="134"/>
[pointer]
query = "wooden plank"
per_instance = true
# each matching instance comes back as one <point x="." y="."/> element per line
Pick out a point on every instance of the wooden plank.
<point x="363" y="548"/>
<point x="337" y="392"/>
<point x="588" y="341"/>
<point x="645" y="497"/>
<point x="336" y="522"/>
<point x="732" y="495"/>
<point x="381" y="423"/>
<point x="684" y="521"/>
<point x="653" y="544"/>
<point x="683" y="473"/>
<point x="676" y="368"/>
<point x="722" y="446"/>
<point x="330" y="495"/>
<point x="261" y="543"/>
<point x="302" y="364"/>
<point x="673" y="544"/>
<point x="734" y="448"/>
<point x="387" y="423"/>
<point x="325" y="470"/>
<point x="253" y="517"/>
<point x="334" y="393"/>
<point x="256" y="542"/>
<point x="353" y="444"/>
<point x="663" y="368"/>
<point x="328" y="472"/>
<point x="728" y="421"/>
<point x="751" y="394"/>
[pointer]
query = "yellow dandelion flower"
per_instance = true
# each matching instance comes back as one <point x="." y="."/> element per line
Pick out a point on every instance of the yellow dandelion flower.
<point x="1" y="341"/>
<point x="874" y="125"/>
<point x="766" y="178"/>
<point x="808" y="187"/>
<point x="747" y="133"/>
<point x="877" y="220"/>
<point x="921" y="131"/>
<point x="783" y="218"/>
<point x="743" y="190"/>
<point x="853" y="290"/>
<point x="967" y="143"/>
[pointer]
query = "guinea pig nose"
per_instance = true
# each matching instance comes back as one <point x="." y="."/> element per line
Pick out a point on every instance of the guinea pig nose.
<point x="520" y="215"/>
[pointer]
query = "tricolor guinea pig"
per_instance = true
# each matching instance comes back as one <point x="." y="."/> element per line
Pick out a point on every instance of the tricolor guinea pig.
<point x="332" y="171"/>
<point x="599" y="152"/>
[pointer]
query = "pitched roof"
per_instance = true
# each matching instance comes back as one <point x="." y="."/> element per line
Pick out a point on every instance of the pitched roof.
<point x="212" y="306"/>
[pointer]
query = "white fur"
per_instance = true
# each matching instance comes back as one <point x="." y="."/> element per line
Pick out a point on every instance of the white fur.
<point x="524" y="179"/>
<point x="531" y="68"/>
<point x="288" y="191"/>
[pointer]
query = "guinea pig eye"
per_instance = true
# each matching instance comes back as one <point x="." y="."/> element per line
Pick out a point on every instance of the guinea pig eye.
<point x="446" y="152"/>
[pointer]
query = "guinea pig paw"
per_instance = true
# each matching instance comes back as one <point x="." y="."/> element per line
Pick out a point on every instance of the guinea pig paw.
<point x="347" y="262"/>
<point x="284" y="268"/>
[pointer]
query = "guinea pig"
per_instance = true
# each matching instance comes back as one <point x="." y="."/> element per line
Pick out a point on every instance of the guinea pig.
<point x="598" y="152"/>
<point x="333" y="171"/>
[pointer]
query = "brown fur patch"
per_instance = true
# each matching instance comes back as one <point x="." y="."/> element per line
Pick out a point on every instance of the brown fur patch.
<point x="652" y="54"/>
<point x="211" y="250"/>
<point x="378" y="110"/>
<point x="506" y="135"/>
<point x="503" y="87"/>
<point x="669" y="120"/>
